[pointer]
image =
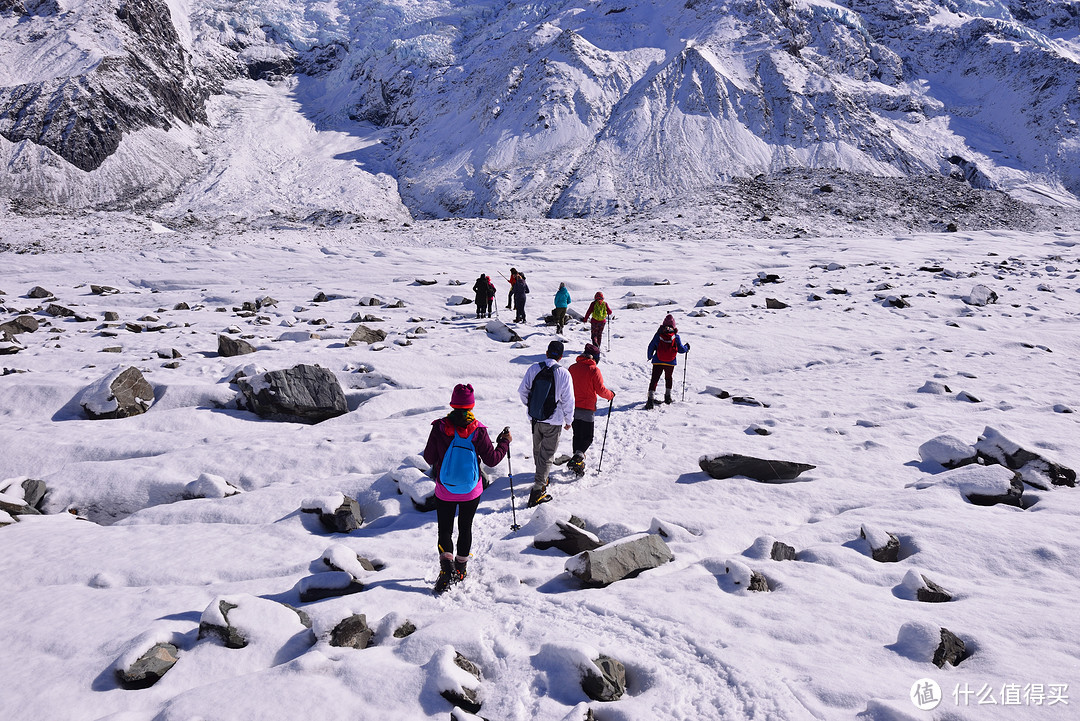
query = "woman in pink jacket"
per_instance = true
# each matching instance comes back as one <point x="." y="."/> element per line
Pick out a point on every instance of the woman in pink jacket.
<point x="456" y="445"/>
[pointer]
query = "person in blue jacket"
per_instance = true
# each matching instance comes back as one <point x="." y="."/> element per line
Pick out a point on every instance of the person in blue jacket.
<point x="664" y="351"/>
<point x="562" y="302"/>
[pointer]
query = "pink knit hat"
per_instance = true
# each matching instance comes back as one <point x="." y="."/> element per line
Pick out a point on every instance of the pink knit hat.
<point x="463" y="397"/>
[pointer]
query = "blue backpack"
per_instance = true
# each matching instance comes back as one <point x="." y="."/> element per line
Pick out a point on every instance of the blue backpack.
<point x="460" y="469"/>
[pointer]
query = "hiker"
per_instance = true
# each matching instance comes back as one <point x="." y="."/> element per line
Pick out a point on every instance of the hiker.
<point x="663" y="353"/>
<point x="562" y="302"/>
<point x="455" y="447"/>
<point x="513" y="279"/>
<point x="491" y="296"/>
<point x="588" y="384"/>
<point x="598" y="314"/>
<point x="483" y="290"/>
<point x="547" y="391"/>
<point x="519" y="290"/>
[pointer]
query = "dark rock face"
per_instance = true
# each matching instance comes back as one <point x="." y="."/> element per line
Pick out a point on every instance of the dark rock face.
<point x="345" y="519"/>
<point x="733" y="464"/>
<point x="39" y="293"/>
<point x="150" y="667"/>
<point x="352" y="632"/>
<point x="607" y="682"/>
<point x="774" y="304"/>
<point x="619" y="560"/>
<point x="758" y="582"/>
<point x="301" y="394"/>
<point x="364" y="335"/>
<point x="782" y="552"/>
<point x="888" y="553"/>
<point x="133" y="396"/>
<point x="230" y="636"/>
<point x="932" y="593"/>
<point x="82" y="118"/>
<point x="228" y="347"/>
<point x="1033" y="468"/>
<point x="951" y="650"/>
<point x="1012" y="497"/>
<point x="465" y="697"/>
<point x="572" y="540"/>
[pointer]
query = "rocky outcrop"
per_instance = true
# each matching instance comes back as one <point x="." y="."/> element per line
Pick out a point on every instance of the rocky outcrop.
<point x="732" y="464"/>
<point x="121" y="394"/>
<point x="301" y="394"/>
<point x="622" y="559"/>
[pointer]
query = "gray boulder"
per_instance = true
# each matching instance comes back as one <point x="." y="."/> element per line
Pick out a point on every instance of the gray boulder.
<point x="32" y="493"/>
<point x="59" y="311"/>
<point x="150" y="667"/>
<point x="568" y="538"/>
<point x="782" y="552"/>
<point x="732" y="464"/>
<point x="8" y="344"/>
<point x="20" y="324"/>
<point x="980" y="296"/>
<point x="1033" y="469"/>
<point x="606" y="681"/>
<point x="758" y="582"/>
<point x="103" y="290"/>
<point x="464" y="697"/>
<point x="330" y="584"/>
<point x="365" y="336"/>
<point x="774" y="304"/>
<point x="38" y="292"/>
<point x="301" y="394"/>
<point x="501" y="331"/>
<point x="621" y="559"/>
<point x="951" y="650"/>
<point x="884" y="546"/>
<point x="121" y="394"/>
<point x="1013" y="495"/>
<point x="930" y="592"/>
<point x="229" y="347"/>
<point x="227" y="633"/>
<point x="352" y="632"/>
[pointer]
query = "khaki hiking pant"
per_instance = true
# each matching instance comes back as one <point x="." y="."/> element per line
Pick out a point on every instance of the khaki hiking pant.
<point x="545" y="443"/>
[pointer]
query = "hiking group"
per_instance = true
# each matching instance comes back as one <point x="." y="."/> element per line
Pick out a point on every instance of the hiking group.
<point x="555" y="398"/>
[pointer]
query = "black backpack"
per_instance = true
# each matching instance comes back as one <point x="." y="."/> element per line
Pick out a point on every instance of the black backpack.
<point x="542" y="394"/>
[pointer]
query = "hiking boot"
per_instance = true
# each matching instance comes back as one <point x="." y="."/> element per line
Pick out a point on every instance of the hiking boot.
<point x="650" y="404"/>
<point x="577" y="464"/>
<point x="446" y="575"/>
<point x="667" y="398"/>
<point x="538" y="496"/>
<point x="461" y="569"/>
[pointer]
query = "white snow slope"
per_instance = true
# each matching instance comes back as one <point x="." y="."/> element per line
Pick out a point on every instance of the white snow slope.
<point x="838" y="637"/>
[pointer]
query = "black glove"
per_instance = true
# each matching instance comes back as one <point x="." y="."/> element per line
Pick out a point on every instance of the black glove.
<point x="503" y="436"/>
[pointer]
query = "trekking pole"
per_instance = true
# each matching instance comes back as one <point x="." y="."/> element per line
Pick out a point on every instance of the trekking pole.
<point x="604" y="444"/>
<point x="686" y="363"/>
<point x="609" y="335"/>
<point x="510" y="467"/>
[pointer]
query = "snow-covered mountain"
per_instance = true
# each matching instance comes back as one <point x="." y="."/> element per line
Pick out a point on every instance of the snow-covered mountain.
<point x="558" y="107"/>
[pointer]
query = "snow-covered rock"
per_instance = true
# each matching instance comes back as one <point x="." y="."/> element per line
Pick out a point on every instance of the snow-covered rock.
<point x="120" y="394"/>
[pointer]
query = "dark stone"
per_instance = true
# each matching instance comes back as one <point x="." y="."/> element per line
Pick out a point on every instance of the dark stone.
<point x="20" y="324"/>
<point x="950" y="650"/>
<point x="1033" y="468"/>
<point x="932" y="593"/>
<point x="1012" y="497"/>
<point x="38" y="292"/>
<point x="733" y="464"/>
<point x="405" y="629"/>
<point x="467" y="699"/>
<point x="112" y="316"/>
<point x="747" y="401"/>
<point x="352" y="632"/>
<point x="619" y="560"/>
<point x="364" y="564"/>
<point x="181" y="306"/>
<point x="315" y="592"/>
<point x="364" y="335"/>
<point x="421" y="281"/>
<point x="774" y="304"/>
<point x="34" y="492"/>
<point x="150" y="667"/>
<point x="782" y="552"/>
<point x="897" y="302"/>
<point x="132" y="393"/>
<point x="758" y="582"/>
<point x="228" y="635"/>
<point x="427" y="505"/>
<point x="573" y="540"/>
<point x="228" y="347"/>
<point x="889" y="553"/>
<point x="965" y="396"/>
<point x="103" y="290"/>
<point x="320" y="297"/>
<point x="301" y="394"/>
<point x="345" y="519"/>
<point x="59" y="311"/>
<point x="606" y="682"/>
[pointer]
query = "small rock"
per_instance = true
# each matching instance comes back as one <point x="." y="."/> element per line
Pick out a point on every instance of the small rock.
<point x="112" y="316"/>
<point x="951" y="650"/>
<point x="568" y="538"/>
<point x="181" y="306"/>
<point x="330" y="584"/>
<point x="59" y="311"/>
<point x="782" y="552"/>
<point x="733" y="464"/>
<point x="103" y="290"/>
<point x="150" y="667"/>
<point x="774" y="304"/>
<point x="405" y="629"/>
<point x="352" y="632"/>
<point x="229" y="347"/>
<point x="121" y="394"/>
<point x="38" y="292"/>
<point x="980" y="296"/>
<point x="884" y="546"/>
<point x="622" y="559"/>
<point x="606" y="682"/>
<point x="365" y="336"/>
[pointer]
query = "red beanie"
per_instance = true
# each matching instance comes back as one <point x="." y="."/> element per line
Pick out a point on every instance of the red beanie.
<point x="463" y="397"/>
<point x="598" y="296"/>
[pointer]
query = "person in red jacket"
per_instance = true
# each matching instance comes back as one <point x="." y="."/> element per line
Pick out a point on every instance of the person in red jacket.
<point x="598" y="314"/>
<point x="588" y="384"/>
<point x="460" y="442"/>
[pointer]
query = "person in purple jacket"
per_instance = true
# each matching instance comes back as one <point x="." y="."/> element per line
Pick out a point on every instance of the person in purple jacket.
<point x="456" y="445"/>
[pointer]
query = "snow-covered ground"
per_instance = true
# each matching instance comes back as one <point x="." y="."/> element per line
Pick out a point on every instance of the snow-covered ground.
<point x="840" y="376"/>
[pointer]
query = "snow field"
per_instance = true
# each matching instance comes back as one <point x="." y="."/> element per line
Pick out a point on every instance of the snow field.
<point x="840" y="376"/>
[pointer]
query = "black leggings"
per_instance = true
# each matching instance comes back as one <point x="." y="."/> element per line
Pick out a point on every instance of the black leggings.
<point x="583" y="435"/>
<point x="465" y="511"/>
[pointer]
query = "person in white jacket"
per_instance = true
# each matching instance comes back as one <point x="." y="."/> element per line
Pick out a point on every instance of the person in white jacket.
<point x="548" y="393"/>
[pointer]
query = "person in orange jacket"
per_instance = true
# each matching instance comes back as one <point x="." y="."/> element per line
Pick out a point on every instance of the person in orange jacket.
<point x="588" y="384"/>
